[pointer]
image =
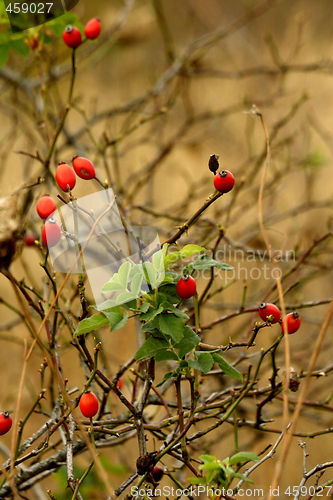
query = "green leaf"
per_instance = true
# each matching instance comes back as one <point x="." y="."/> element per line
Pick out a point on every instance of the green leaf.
<point x="171" y="325"/>
<point x="207" y="458"/>
<point x="151" y="347"/>
<point x="167" y="293"/>
<point x="189" y="341"/>
<point x="120" y="325"/>
<point x="243" y="456"/>
<point x="144" y="308"/>
<point x="4" y="54"/>
<point x="204" y="362"/>
<point x="166" y="355"/>
<point x="210" y="475"/>
<point x="166" y="377"/>
<point x="131" y="305"/>
<point x="105" y="306"/>
<point x="158" y="261"/>
<point x="138" y="269"/>
<point x="150" y="328"/>
<point x="93" y="323"/>
<point x="187" y="251"/>
<point x="113" y="286"/>
<point x="136" y="284"/>
<point x="205" y="262"/>
<point x="169" y="307"/>
<point x="20" y="47"/>
<point x="170" y="277"/>
<point x="123" y="274"/>
<point x="155" y="278"/>
<point x="172" y="258"/>
<point x="116" y="318"/>
<point x="240" y="476"/>
<point x="196" y="480"/>
<point x="165" y="249"/>
<point x="150" y="315"/>
<point x="228" y="369"/>
<point x="125" y="297"/>
<point x="56" y="28"/>
<point x="210" y="466"/>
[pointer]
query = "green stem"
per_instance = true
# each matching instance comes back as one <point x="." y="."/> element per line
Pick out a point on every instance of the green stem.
<point x="196" y="314"/>
<point x="92" y="433"/>
<point x="81" y="480"/>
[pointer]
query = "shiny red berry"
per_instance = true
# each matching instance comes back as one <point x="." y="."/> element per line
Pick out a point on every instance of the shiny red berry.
<point x="45" y="206"/>
<point x="72" y="36"/>
<point x="186" y="287"/>
<point x="65" y="177"/>
<point x="269" y="312"/>
<point x="93" y="28"/>
<point x="51" y="233"/>
<point x="293" y="322"/>
<point x="83" y="167"/>
<point x="224" y="181"/>
<point x="5" y="422"/>
<point x="88" y="404"/>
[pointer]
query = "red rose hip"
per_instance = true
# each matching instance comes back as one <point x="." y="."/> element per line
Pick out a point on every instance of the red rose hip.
<point x="51" y="233"/>
<point x="88" y="404"/>
<point x="29" y="240"/>
<point x="93" y="28"/>
<point x="186" y="287"/>
<point x="83" y="167"/>
<point x="72" y="36"/>
<point x="157" y="473"/>
<point x="224" y="181"/>
<point x="293" y="322"/>
<point x="65" y="177"/>
<point x="5" y="422"/>
<point x="269" y="312"/>
<point x="45" y="206"/>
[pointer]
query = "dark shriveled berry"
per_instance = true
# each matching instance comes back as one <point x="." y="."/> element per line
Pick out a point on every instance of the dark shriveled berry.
<point x="213" y="163"/>
<point x="146" y="463"/>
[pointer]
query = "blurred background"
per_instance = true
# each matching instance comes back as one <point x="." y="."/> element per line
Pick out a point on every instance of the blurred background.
<point x="166" y="85"/>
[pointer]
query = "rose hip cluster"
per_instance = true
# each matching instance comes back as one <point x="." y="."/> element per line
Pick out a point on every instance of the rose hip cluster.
<point x="224" y="181"/>
<point x="72" y="35"/>
<point x="66" y="180"/>
<point x="272" y="314"/>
